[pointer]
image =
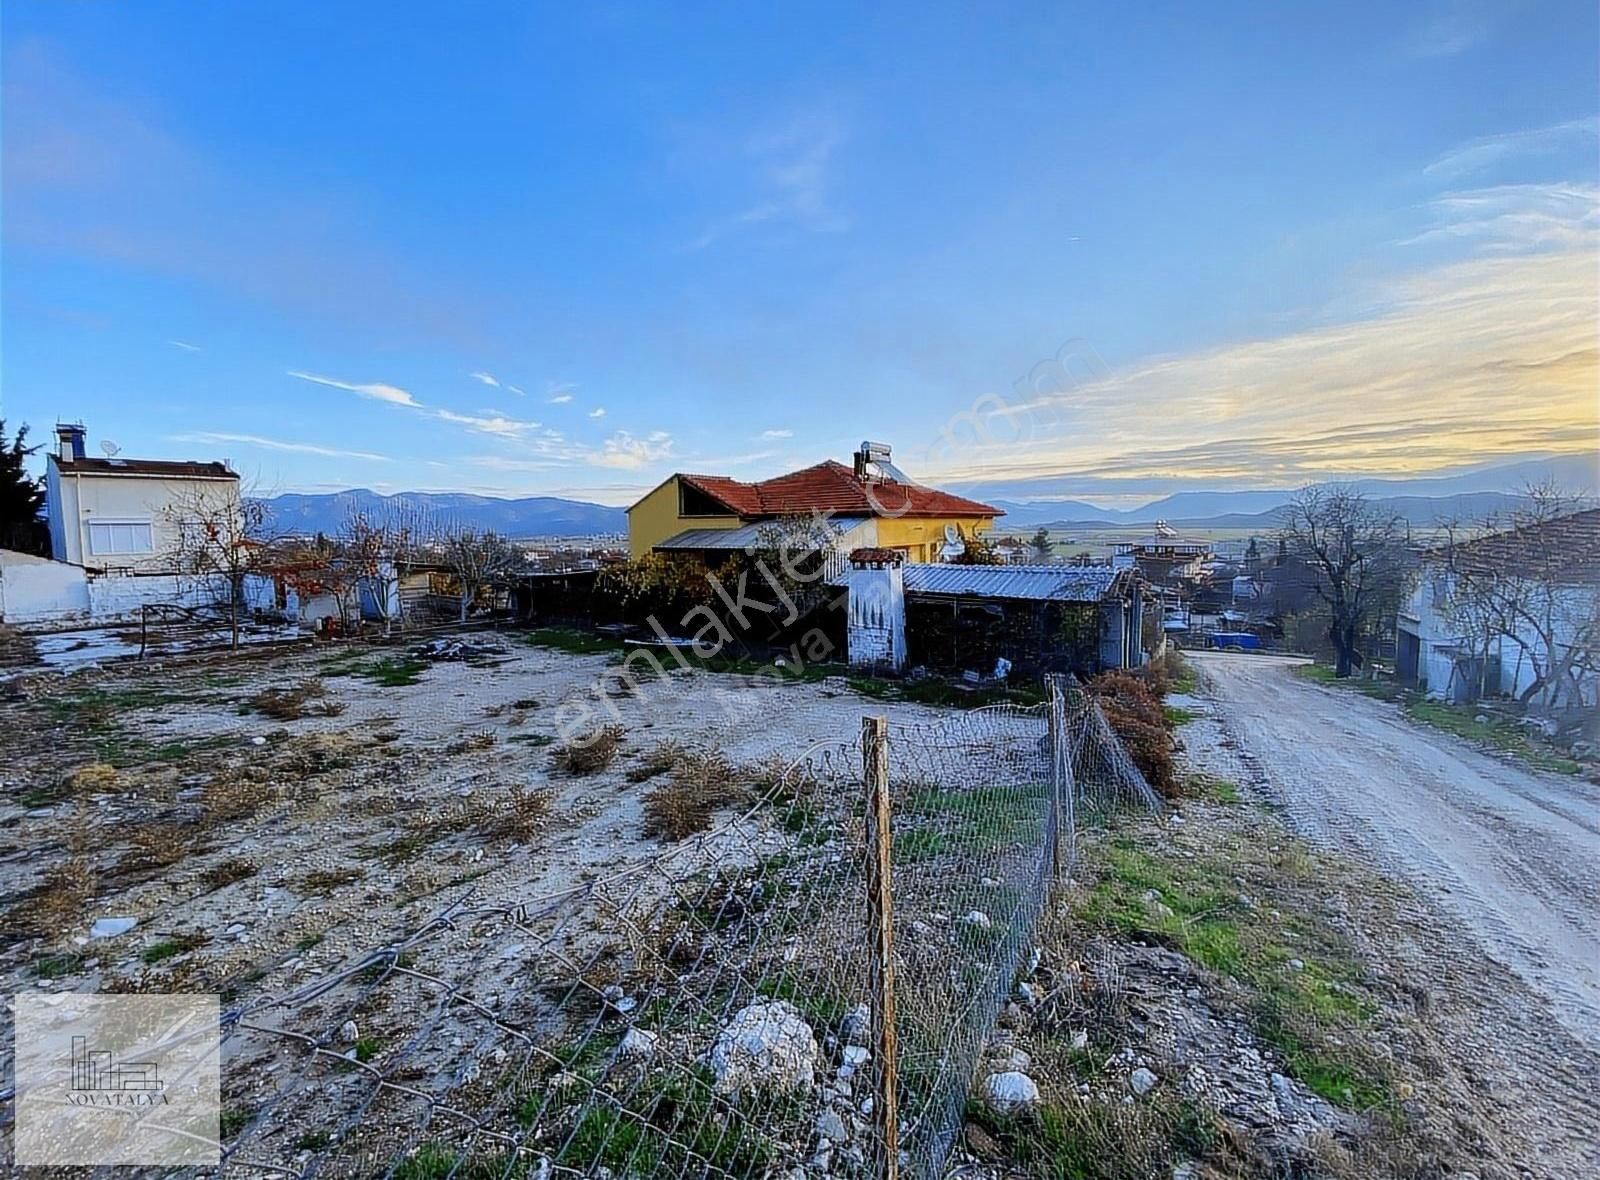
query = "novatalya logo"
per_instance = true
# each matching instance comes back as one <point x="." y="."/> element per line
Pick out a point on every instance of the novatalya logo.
<point x="99" y="1079"/>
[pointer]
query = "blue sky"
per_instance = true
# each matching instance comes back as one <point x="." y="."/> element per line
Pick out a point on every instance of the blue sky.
<point x="498" y="248"/>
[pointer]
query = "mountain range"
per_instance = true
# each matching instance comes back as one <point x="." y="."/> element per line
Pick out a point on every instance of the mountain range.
<point x="1423" y="502"/>
<point x="531" y="516"/>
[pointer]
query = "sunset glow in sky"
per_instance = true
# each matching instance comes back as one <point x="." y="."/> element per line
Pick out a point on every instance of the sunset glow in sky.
<point x="517" y="251"/>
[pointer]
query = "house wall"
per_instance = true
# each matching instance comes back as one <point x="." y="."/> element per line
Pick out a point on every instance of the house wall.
<point x="38" y="592"/>
<point x="1439" y="647"/>
<point x="77" y="500"/>
<point x="656" y="517"/>
<point x="922" y="537"/>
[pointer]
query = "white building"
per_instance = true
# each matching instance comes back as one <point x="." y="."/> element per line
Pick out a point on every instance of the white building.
<point x="125" y="514"/>
<point x="1433" y="651"/>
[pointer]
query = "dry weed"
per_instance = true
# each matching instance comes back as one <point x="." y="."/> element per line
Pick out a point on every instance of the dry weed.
<point x="309" y="698"/>
<point x="472" y="743"/>
<point x="94" y="777"/>
<point x="327" y="880"/>
<point x="56" y="906"/>
<point x="153" y="847"/>
<point x="591" y="755"/>
<point x="702" y="784"/>
<point x="227" y="872"/>
<point x="233" y="795"/>
<point x="659" y="759"/>
<point x="521" y="818"/>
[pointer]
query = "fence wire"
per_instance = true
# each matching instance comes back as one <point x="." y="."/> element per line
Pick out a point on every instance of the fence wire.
<point x="709" y="1013"/>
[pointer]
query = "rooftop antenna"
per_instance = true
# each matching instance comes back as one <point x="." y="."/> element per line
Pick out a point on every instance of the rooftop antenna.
<point x="109" y="448"/>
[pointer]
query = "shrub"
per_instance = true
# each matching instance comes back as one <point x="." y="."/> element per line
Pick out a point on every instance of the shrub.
<point x="701" y="785"/>
<point x="1134" y="711"/>
<point x="591" y="755"/>
<point x="521" y="818"/>
<point x="306" y="699"/>
<point x="659" y="759"/>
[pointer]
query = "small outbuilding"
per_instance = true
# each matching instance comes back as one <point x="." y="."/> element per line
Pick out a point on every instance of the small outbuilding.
<point x="955" y="617"/>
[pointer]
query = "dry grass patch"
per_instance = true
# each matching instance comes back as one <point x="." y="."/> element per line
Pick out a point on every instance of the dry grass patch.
<point x="520" y="818"/>
<point x="227" y="872"/>
<point x="472" y="743"/>
<point x="57" y="905"/>
<point x="94" y="777"/>
<point x="702" y="784"/>
<point x="327" y="880"/>
<point x="153" y="847"/>
<point x="232" y="796"/>
<point x="659" y="759"/>
<point x="591" y="755"/>
<point x="309" y="698"/>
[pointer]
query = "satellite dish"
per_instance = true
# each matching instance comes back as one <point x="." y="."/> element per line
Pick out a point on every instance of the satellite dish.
<point x="952" y="534"/>
<point x="953" y="546"/>
<point x="109" y="448"/>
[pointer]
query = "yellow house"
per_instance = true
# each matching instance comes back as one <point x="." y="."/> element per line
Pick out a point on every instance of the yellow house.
<point x="873" y="506"/>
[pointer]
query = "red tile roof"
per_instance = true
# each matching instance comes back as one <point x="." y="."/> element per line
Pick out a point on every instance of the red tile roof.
<point x="834" y="487"/>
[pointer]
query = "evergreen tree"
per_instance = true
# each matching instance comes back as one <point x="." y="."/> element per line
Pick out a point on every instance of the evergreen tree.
<point x="21" y="496"/>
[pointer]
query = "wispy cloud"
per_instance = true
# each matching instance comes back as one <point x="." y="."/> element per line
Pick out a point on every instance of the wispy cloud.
<point x="1484" y="358"/>
<point x="377" y="391"/>
<point x="185" y="345"/>
<point x="216" y="437"/>
<point x="1574" y="135"/>
<point x="1449" y="27"/>
<point x="770" y="434"/>
<point x="793" y="178"/>
<point x="488" y="422"/>
<point x="486" y="378"/>
<point x="622" y="450"/>
<point x="560" y="399"/>
<point x="598" y="412"/>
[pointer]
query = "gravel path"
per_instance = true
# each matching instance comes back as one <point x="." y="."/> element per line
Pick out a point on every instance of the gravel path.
<point x="1513" y="854"/>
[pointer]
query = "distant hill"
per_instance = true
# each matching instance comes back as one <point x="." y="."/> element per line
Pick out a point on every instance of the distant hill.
<point x="1422" y="502"/>
<point x="532" y="516"/>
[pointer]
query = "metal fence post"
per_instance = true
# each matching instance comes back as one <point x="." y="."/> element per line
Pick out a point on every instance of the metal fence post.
<point x="880" y="930"/>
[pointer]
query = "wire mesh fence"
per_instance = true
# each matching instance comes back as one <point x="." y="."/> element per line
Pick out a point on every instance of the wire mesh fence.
<point x="805" y="989"/>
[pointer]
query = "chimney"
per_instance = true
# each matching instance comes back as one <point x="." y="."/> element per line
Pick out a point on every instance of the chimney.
<point x="69" y="441"/>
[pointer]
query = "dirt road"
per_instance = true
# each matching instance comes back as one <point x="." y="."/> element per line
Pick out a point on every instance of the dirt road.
<point x="1512" y="853"/>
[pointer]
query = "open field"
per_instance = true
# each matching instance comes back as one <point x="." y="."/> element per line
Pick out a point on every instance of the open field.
<point x="371" y="833"/>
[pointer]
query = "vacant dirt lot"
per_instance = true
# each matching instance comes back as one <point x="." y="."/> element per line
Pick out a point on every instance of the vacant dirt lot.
<point x="254" y="824"/>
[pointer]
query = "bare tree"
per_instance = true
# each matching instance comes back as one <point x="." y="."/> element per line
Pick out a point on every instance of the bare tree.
<point x="220" y="537"/>
<point x="478" y="559"/>
<point x="1523" y="580"/>
<point x="372" y="547"/>
<point x="1355" y="551"/>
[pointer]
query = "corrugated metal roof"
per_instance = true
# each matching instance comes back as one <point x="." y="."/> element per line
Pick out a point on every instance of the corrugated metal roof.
<point x="744" y="537"/>
<point x="1049" y="583"/>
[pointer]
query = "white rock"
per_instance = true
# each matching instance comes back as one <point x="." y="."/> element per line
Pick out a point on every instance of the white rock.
<point x="856" y="1027"/>
<point x="258" y="741"/>
<point x="855" y="1056"/>
<point x="765" y="1047"/>
<point x="977" y="918"/>
<point x="1297" y="965"/>
<point x="638" y="1044"/>
<point x="1080" y="1039"/>
<point x="1141" y="1081"/>
<point x="831" y="1127"/>
<point x="349" y="1033"/>
<point x="111" y="927"/>
<point x="1010" y="1092"/>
